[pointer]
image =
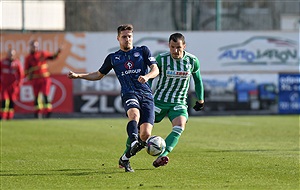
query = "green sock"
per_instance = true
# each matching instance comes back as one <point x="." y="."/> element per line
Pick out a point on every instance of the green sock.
<point x="172" y="140"/>
<point x="128" y="142"/>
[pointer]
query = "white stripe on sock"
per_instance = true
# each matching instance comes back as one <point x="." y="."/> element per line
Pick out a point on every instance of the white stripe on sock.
<point x="178" y="130"/>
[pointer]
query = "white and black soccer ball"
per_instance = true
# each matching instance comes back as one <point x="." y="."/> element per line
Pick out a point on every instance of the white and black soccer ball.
<point x="155" y="145"/>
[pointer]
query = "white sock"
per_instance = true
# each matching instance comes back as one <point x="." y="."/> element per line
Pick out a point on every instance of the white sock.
<point x="124" y="157"/>
<point x="133" y="143"/>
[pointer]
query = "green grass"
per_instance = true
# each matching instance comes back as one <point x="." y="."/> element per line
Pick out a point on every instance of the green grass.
<point x="235" y="152"/>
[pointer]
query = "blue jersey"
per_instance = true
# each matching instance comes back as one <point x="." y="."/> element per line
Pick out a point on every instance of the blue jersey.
<point x="128" y="66"/>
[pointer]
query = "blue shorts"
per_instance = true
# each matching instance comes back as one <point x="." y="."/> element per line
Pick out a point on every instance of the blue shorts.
<point x="144" y="102"/>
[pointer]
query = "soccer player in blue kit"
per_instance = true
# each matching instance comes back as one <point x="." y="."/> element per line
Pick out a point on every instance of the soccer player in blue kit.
<point x="130" y="64"/>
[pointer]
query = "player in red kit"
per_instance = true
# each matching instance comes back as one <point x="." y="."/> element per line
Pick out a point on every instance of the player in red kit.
<point x="36" y="70"/>
<point x="11" y="78"/>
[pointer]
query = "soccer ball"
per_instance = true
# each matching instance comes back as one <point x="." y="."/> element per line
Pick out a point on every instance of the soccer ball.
<point x="155" y="145"/>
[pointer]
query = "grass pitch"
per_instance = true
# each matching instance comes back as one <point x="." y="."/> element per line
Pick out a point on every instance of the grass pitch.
<point x="235" y="152"/>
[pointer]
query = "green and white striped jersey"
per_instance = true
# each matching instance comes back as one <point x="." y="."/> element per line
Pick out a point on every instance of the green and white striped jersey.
<point x="174" y="78"/>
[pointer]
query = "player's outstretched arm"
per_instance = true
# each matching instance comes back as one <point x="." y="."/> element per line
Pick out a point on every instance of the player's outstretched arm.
<point x="87" y="76"/>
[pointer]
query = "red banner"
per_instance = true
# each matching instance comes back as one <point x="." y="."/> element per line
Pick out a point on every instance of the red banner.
<point x="60" y="96"/>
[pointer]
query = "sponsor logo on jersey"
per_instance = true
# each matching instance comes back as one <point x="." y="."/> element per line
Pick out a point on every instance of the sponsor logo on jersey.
<point x="157" y="109"/>
<point x="129" y="65"/>
<point x="179" y="107"/>
<point x="178" y="74"/>
<point x="134" y="71"/>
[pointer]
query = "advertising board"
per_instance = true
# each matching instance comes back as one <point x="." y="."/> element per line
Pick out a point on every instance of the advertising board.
<point x="252" y="57"/>
<point x="61" y="96"/>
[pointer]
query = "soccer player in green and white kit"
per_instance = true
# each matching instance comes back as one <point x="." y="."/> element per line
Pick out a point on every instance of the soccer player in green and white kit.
<point x="170" y="95"/>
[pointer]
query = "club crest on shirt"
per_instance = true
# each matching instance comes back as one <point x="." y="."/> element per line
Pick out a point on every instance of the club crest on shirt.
<point x="188" y="66"/>
<point x="136" y="54"/>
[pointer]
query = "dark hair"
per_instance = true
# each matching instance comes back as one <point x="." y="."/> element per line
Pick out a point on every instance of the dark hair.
<point x="32" y="42"/>
<point x="177" y="36"/>
<point x="125" y="27"/>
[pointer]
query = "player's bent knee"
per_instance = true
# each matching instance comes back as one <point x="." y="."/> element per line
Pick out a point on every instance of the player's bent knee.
<point x="145" y="136"/>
